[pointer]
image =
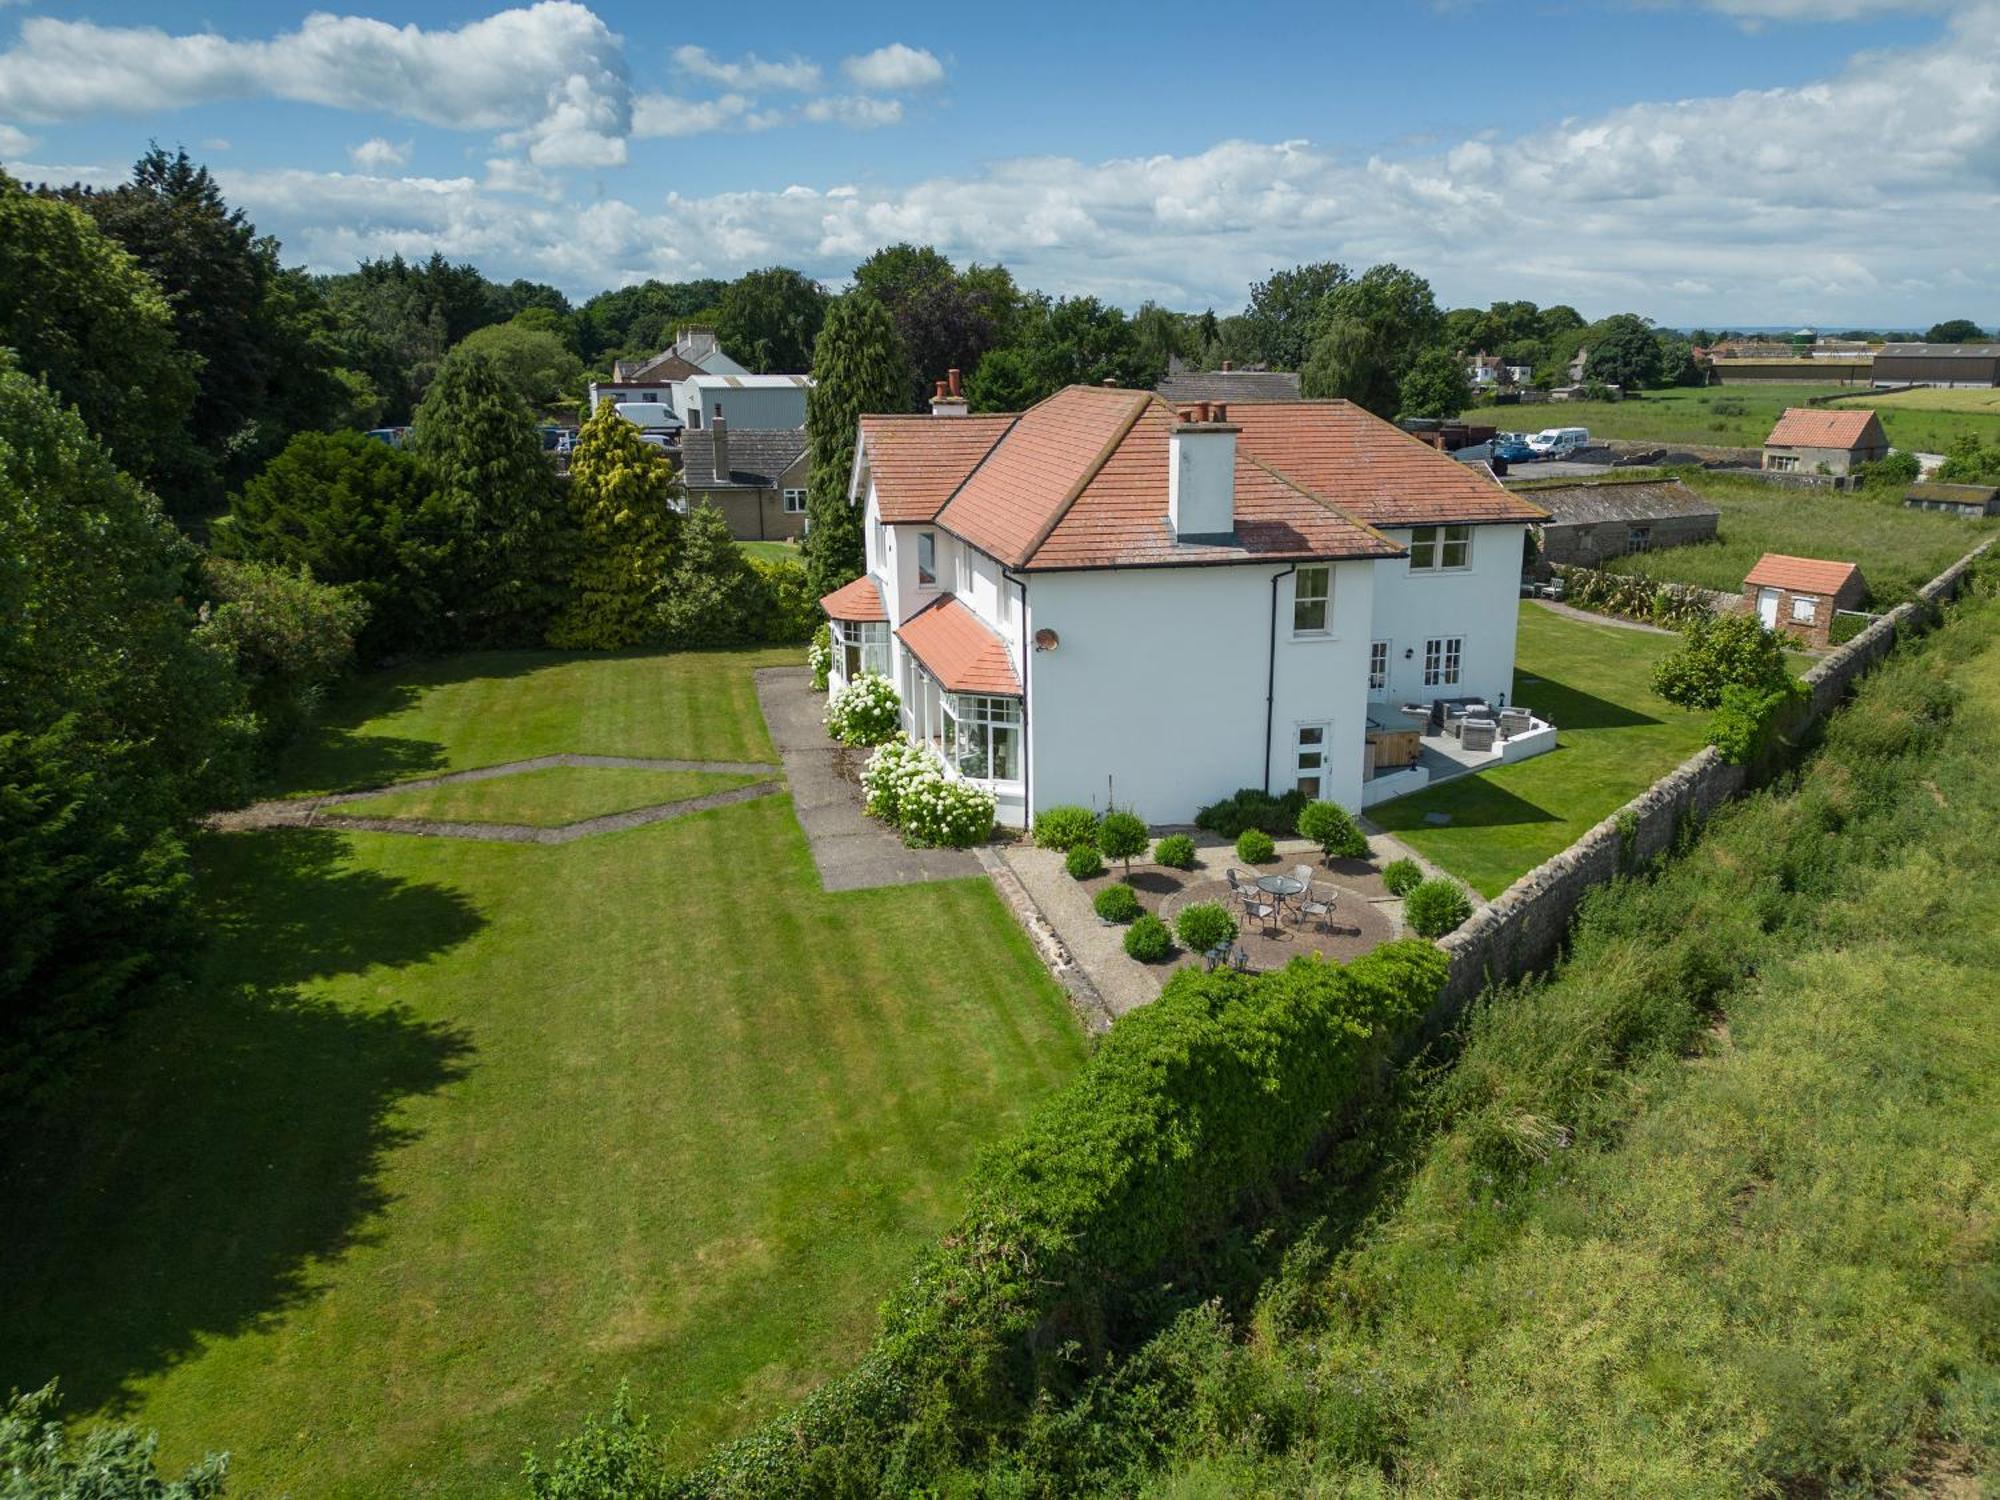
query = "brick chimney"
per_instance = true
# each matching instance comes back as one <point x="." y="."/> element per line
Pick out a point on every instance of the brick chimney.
<point x="719" y="445"/>
<point x="1227" y="366"/>
<point x="1201" y="474"/>
<point x="947" y="400"/>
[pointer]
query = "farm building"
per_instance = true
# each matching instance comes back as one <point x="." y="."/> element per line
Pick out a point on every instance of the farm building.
<point x="1600" y="519"/>
<point x="1973" y="500"/>
<point x="1976" y="365"/>
<point x="1839" y="369"/>
<point x="1815" y="440"/>
<point x="1798" y="596"/>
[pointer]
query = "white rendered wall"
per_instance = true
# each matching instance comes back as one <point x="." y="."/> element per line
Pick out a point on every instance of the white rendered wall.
<point x="1479" y="603"/>
<point x="1159" y="685"/>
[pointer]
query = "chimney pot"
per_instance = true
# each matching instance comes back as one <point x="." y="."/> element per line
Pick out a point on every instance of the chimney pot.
<point x="951" y="381"/>
<point x="938" y="394"/>
<point x="1108" y="381"/>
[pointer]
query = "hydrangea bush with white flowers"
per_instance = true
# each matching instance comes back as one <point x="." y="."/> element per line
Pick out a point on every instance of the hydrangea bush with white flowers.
<point x="819" y="657"/>
<point x="906" y="784"/>
<point x="865" y="712"/>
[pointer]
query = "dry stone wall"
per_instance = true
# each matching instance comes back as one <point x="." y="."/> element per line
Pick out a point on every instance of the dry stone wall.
<point x="1523" y="928"/>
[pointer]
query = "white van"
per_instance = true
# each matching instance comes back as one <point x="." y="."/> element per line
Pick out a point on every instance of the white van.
<point x="1554" y="440"/>
<point x="649" y="414"/>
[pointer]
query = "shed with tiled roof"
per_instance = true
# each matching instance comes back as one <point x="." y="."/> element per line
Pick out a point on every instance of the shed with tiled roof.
<point x="1822" y="440"/>
<point x="1799" y="596"/>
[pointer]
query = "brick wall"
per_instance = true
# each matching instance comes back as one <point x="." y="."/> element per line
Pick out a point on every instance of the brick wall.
<point x="1522" y="929"/>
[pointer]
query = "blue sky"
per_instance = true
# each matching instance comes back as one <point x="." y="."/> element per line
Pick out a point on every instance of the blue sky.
<point x="1715" y="160"/>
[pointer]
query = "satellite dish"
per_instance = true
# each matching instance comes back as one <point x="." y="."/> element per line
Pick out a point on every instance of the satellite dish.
<point x="1047" y="640"/>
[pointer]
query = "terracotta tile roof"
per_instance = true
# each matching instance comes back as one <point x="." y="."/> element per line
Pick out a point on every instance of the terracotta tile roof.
<point x="860" y="600"/>
<point x="1801" y="575"/>
<point x="1120" y="518"/>
<point x="1007" y="505"/>
<point x="919" y="461"/>
<point x="959" y="649"/>
<point x="1818" y="427"/>
<point x="1372" y="469"/>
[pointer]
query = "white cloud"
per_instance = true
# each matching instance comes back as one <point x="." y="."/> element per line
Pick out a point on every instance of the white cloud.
<point x="893" y="67"/>
<point x="506" y="174"/>
<point x="858" y="110"/>
<point x="553" y="73"/>
<point x="13" y="140"/>
<point x="215" y="143"/>
<point x="750" y="72"/>
<point x="656" y="115"/>
<point x="1755" y="11"/>
<point x="378" y="153"/>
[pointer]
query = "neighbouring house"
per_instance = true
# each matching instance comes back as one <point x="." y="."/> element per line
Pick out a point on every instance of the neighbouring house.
<point x="1819" y="440"/>
<point x="694" y="352"/>
<point x="755" y="476"/>
<point x="1486" y="370"/>
<point x="1227" y="384"/>
<point x="1798" y="596"/>
<point x="766" y="402"/>
<point x="1516" y="372"/>
<point x="1110" y="600"/>
<point x="1971" y="500"/>
<point x="1579" y="362"/>
<point x="1971" y="365"/>
<point x="1592" y="522"/>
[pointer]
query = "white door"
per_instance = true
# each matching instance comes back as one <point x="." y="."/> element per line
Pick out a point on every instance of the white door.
<point x="1767" y="608"/>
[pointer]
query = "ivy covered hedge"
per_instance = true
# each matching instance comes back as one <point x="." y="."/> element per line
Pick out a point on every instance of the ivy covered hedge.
<point x="1222" y="1088"/>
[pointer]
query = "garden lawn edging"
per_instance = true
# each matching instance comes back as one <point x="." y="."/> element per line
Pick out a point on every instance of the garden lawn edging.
<point x="1521" y="929"/>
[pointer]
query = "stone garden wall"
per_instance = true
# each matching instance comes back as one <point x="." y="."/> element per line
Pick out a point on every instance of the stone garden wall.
<point x="1523" y="928"/>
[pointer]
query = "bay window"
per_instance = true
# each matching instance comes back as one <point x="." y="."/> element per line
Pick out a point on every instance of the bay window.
<point x="862" y="646"/>
<point x="982" y="736"/>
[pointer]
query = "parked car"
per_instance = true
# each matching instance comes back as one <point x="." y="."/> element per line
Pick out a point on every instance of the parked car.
<point x="1514" y="449"/>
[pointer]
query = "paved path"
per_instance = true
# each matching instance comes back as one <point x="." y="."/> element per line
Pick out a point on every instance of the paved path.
<point x="307" y="812"/>
<point x="1571" y="612"/>
<point x="852" y="850"/>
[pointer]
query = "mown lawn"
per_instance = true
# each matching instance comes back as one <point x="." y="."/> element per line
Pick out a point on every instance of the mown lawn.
<point x="546" y="798"/>
<point x="1897" y="549"/>
<point x="453" y="1137"/>
<point x="1689" y="415"/>
<point x="486" y="709"/>
<point x="773" y="551"/>
<point x="1615" y="737"/>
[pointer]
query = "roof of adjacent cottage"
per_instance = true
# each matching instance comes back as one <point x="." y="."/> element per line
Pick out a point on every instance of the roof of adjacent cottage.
<point x="1957" y="494"/>
<point x="707" y="382"/>
<point x="1080" y="481"/>
<point x="1821" y="427"/>
<point x="959" y="649"/>
<point x="859" y="601"/>
<point x="758" y="457"/>
<point x="1230" y="385"/>
<point x="1939" y="351"/>
<point x="1802" y="575"/>
<point x="1598" y="500"/>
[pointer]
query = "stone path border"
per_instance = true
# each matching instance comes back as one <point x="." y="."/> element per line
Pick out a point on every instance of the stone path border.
<point x="308" y="812"/>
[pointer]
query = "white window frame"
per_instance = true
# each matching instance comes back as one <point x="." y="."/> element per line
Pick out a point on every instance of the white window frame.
<point x="1322" y="574"/>
<point x="994" y="717"/>
<point x="861" y="646"/>
<point x="881" y="544"/>
<point x="1784" y="463"/>
<point x="1444" y="661"/>
<point x="1314" y="751"/>
<point x="927" y="560"/>
<point x="1805" y="609"/>
<point x="1431" y="549"/>
<point x="1378" y="666"/>
<point x="795" y="502"/>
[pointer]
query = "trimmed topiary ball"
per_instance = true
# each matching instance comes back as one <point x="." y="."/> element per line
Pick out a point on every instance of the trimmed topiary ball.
<point x="1148" y="939"/>
<point x="1065" y="827"/>
<point x="1402" y="876"/>
<point x="1333" y="828"/>
<point x="1117" y="903"/>
<point x="1175" y="851"/>
<point x="1205" y="925"/>
<point x="1254" y="846"/>
<point x="1436" y="907"/>
<point x="1122" y="835"/>
<point x="1083" y="861"/>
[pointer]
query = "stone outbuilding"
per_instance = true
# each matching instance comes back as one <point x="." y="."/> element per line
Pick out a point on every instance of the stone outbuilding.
<point x="1596" y="520"/>
<point x="1799" y="596"/>
<point x="1815" y="439"/>
<point x="756" y="478"/>
<point x="1970" y="500"/>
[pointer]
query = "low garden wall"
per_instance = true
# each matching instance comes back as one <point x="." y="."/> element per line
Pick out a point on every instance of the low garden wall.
<point x="1522" y="929"/>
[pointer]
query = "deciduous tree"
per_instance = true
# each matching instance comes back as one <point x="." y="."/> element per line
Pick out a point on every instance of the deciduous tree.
<point x="1436" y="386"/>
<point x="1285" y="309"/>
<point x="769" y="319"/>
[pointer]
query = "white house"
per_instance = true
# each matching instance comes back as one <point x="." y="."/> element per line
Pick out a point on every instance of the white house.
<point x="1106" y="600"/>
<point x="694" y="352"/>
<point x="763" y="402"/>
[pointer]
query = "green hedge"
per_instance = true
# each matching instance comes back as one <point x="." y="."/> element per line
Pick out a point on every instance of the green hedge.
<point x="1222" y="1088"/>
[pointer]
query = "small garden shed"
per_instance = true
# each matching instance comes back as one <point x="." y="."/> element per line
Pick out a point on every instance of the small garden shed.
<point x="1799" y="596"/>
<point x="1971" y="500"/>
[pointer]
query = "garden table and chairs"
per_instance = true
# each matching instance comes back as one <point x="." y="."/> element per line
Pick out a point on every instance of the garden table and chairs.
<point x="1282" y="889"/>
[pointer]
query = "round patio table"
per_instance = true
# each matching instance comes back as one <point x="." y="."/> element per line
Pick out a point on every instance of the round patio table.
<point x="1284" y="887"/>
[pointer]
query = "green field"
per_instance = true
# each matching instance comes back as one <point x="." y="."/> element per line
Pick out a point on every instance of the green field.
<point x="545" y="798"/>
<point x="773" y="551"/>
<point x="1897" y="549"/>
<point x="1689" y="415"/>
<point x="452" y="1137"/>
<point x="1615" y="737"/>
